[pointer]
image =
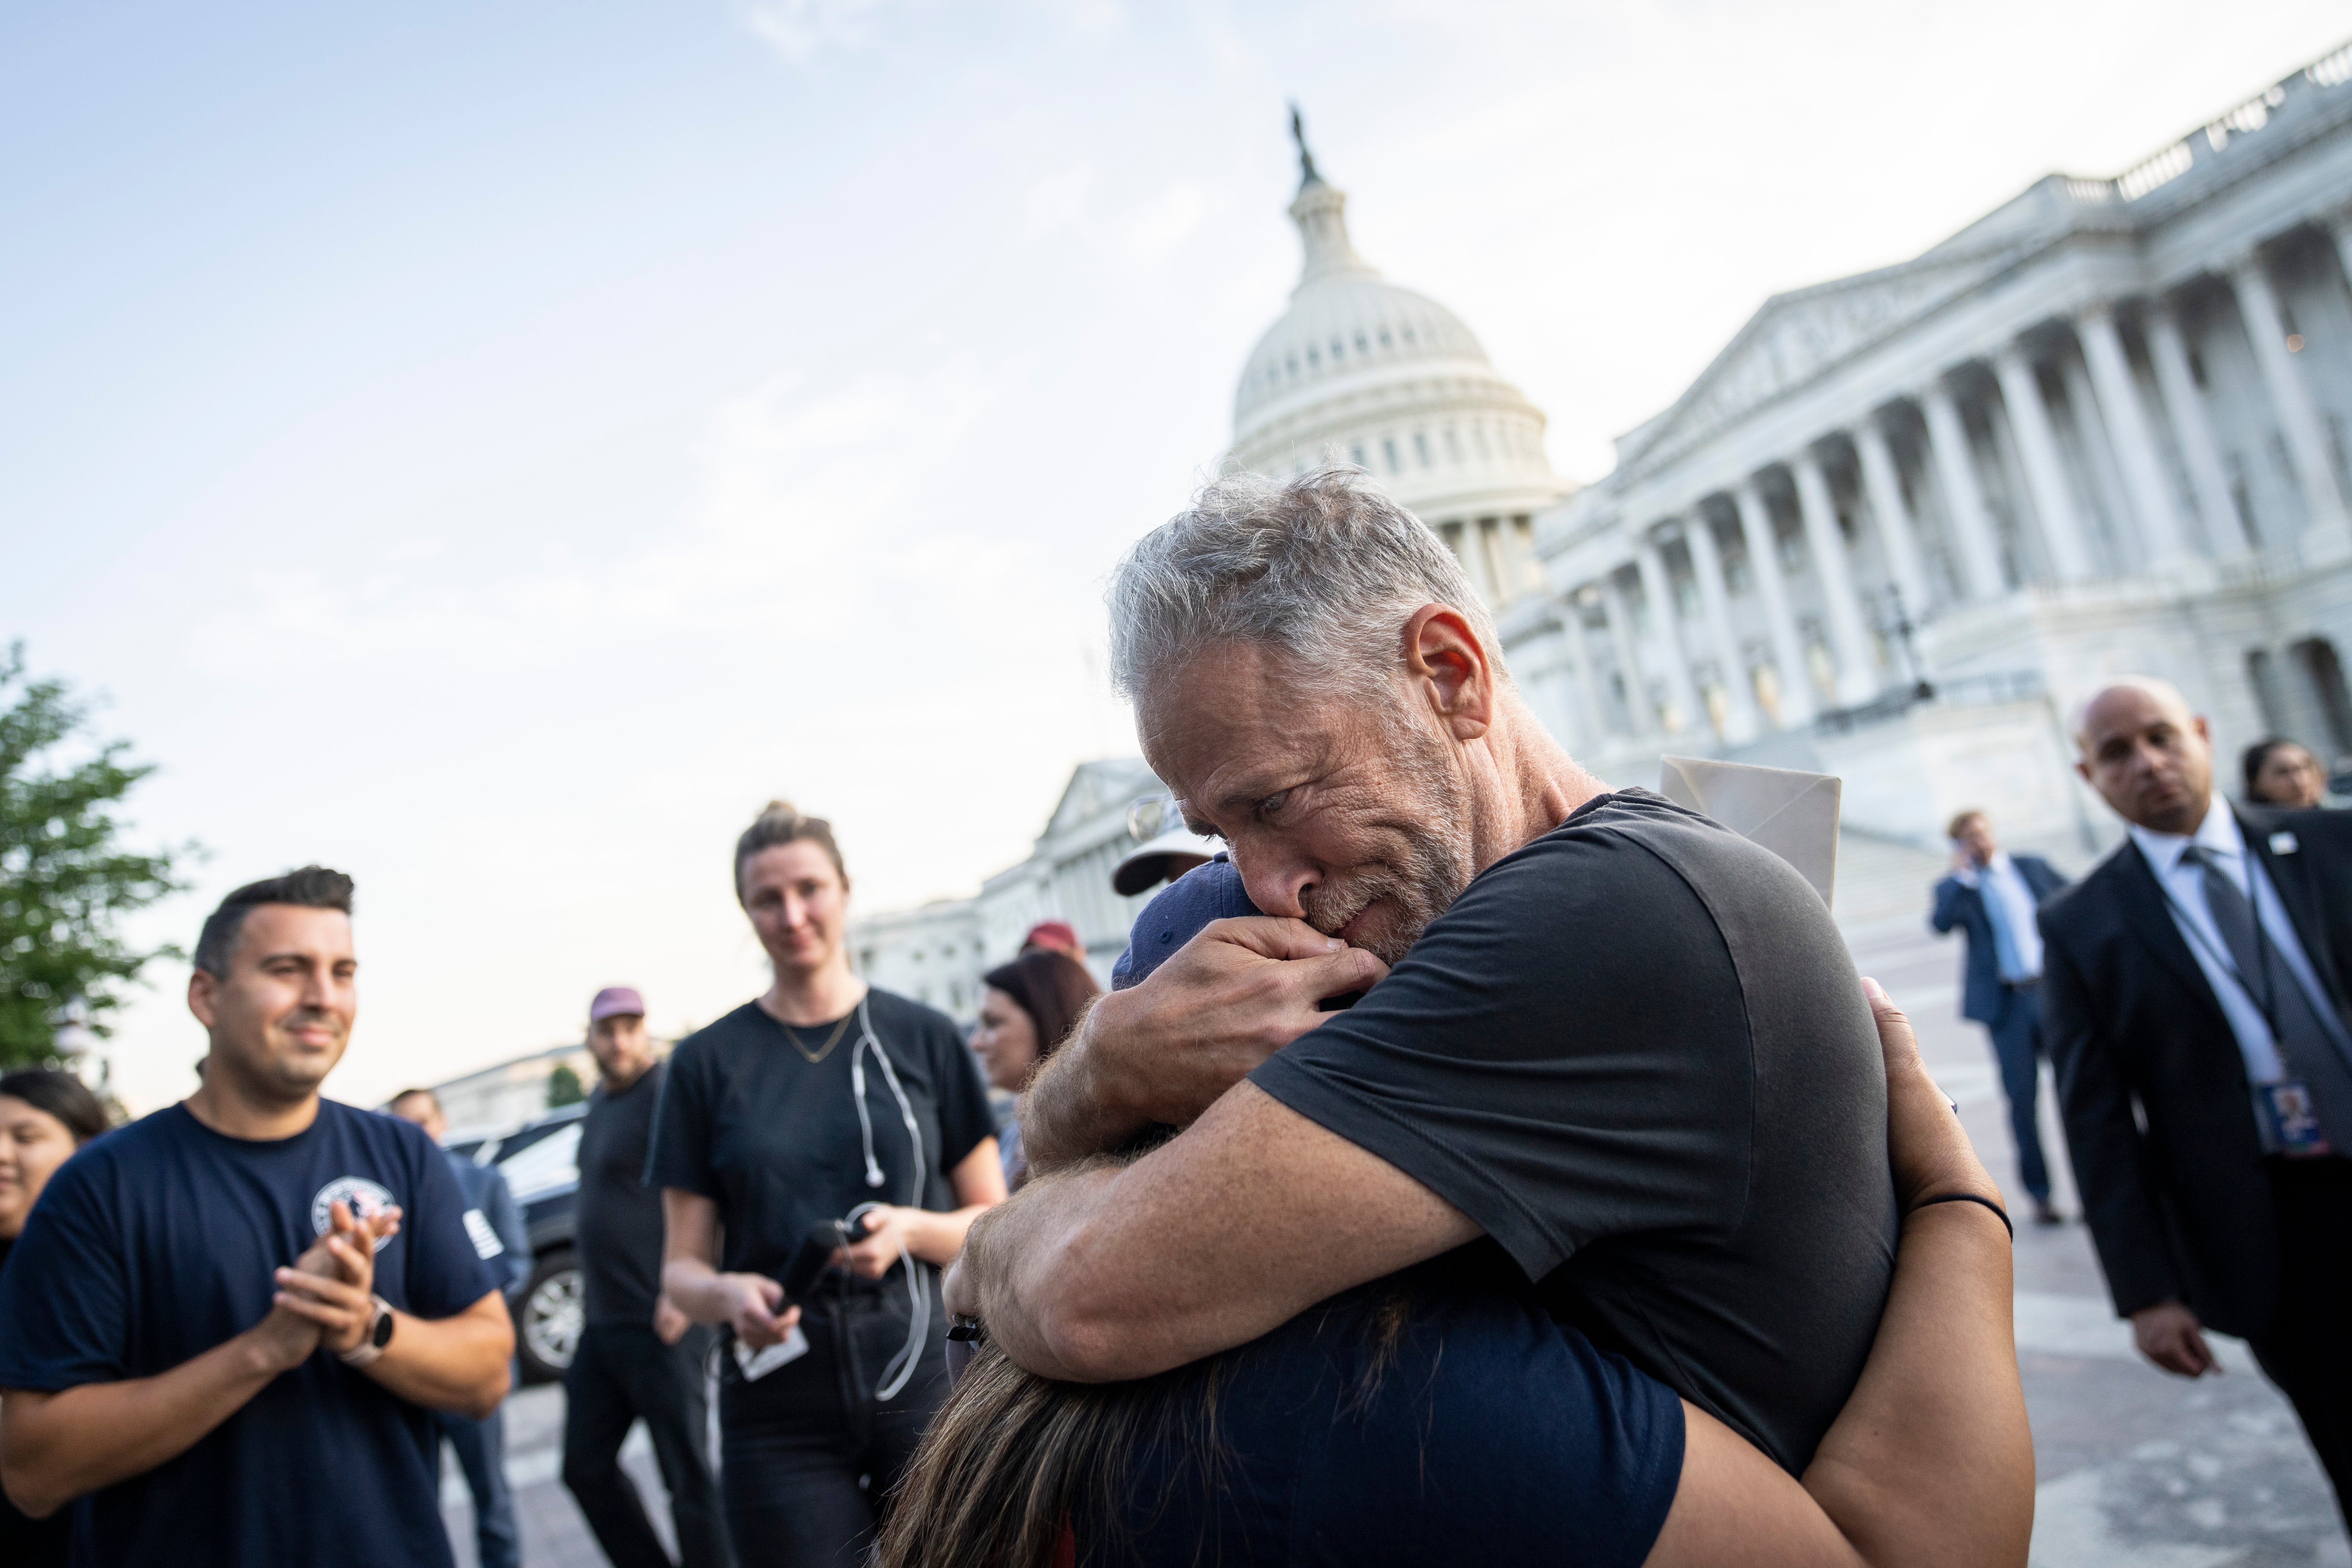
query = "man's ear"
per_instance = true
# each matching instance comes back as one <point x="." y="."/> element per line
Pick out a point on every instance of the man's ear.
<point x="203" y="993"/>
<point x="1444" y="656"/>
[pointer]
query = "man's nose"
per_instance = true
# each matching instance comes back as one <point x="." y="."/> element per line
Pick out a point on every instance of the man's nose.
<point x="1276" y="887"/>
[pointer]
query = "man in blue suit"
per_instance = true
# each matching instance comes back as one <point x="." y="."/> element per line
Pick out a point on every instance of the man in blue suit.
<point x="494" y="1222"/>
<point x="1992" y="895"/>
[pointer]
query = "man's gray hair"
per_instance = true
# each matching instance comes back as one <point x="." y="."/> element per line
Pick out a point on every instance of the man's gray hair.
<point x="1324" y="567"/>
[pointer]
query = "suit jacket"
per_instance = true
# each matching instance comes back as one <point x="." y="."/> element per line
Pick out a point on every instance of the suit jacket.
<point x="1982" y="996"/>
<point x="2158" y="1113"/>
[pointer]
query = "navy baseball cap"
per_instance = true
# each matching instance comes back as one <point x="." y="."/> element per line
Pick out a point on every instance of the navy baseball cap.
<point x="1204" y="893"/>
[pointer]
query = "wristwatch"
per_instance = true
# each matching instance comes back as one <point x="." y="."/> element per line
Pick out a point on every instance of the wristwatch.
<point x="371" y="1343"/>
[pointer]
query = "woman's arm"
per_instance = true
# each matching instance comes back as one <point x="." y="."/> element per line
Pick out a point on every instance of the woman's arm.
<point x="936" y="1238"/>
<point x="1930" y="1464"/>
<point x="691" y="1279"/>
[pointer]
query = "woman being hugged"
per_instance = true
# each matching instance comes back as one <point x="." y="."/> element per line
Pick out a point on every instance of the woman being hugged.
<point x="822" y="1099"/>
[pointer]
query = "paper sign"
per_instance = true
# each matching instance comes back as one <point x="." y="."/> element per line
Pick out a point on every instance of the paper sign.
<point x="757" y="1364"/>
<point x="1793" y="815"/>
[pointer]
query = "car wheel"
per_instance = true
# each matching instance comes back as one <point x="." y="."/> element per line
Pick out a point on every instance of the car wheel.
<point x="550" y="1316"/>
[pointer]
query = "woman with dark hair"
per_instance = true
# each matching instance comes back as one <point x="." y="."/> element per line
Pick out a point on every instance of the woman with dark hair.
<point x="823" y="1107"/>
<point x="2279" y="772"/>
<point x="1027" y="1008"/>
<point x="1422" y="1419"/>
<point x="45" y="1116"/>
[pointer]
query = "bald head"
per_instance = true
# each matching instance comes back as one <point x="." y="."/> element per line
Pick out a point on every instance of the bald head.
<point x="2147" y="754"/>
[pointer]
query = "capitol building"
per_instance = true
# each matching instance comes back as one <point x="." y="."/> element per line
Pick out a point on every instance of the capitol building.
<point x="1892" y="531"/>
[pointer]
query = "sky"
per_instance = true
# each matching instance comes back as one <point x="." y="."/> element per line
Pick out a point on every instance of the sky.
<point x="494" y="449"/>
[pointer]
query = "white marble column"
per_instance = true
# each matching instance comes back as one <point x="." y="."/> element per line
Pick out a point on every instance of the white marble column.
<point x="2339" y="230"/>
<point x="1971" y="521"/>
<point x="2298" y="411"/>
<point x="1640" y="711"/>
<point x="2063" y="531"/>
<point x="1857" y="678"/>
<point x="1764" y="565"/>
<point x="1657" y="589"/>
<point x="2162" y="529"/>
<point x="2225" y="531"/>
<point x="1579" y="657"/>
<point x="1741" y="720"/>
<point x="1897" y="534"/>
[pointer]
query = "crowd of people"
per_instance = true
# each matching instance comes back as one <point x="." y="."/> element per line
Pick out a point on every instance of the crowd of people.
<point x="1468" y="1160"/>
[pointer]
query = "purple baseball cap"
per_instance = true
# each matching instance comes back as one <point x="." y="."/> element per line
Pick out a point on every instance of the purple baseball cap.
<point x="616" y="1001"/>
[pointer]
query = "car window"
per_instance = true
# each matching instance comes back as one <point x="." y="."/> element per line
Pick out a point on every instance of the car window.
<point x="547" y="1164"/>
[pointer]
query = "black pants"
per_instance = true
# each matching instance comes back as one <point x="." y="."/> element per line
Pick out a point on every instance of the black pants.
<point x="2307" y="1351"/>
<point x="622" y="1373"/>
<point x="808" y="1453"/>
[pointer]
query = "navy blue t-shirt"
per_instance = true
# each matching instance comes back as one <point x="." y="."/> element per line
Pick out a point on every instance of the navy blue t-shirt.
<point x="158" y="1242"/>
<point x="1439" y="1415"/>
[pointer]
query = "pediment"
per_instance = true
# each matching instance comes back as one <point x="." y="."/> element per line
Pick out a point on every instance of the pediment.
<point x="1094" y="787"/>
<point x="1799" y="335"/>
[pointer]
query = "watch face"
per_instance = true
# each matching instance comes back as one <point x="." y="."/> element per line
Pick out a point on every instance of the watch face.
<point x="383" y="1335"/>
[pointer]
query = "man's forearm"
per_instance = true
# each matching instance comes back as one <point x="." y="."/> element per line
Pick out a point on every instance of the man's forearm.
<point x="456" y="1363"/>
<point x="56" y="1446"/>
<point x="1071" y="1111"/>
<point x="1011" y="1258"/>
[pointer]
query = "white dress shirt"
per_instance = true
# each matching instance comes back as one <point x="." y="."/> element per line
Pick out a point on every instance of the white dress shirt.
<point x="2184" y="884"/>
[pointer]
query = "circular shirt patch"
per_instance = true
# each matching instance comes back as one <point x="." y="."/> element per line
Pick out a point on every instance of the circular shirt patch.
<point x="363" y="1196"/>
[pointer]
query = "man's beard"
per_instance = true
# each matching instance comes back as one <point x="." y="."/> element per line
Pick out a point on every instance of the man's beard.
<point x="1420" y="880"/>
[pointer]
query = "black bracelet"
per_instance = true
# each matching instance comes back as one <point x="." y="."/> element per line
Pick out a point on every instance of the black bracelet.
<point x="1967" y="1198"/>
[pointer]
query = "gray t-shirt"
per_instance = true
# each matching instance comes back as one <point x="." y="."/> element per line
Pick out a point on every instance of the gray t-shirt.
<point x="1637" y="1053"/>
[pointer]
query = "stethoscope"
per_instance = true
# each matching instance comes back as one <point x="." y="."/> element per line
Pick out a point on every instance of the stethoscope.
<point x="900" y="1370"/>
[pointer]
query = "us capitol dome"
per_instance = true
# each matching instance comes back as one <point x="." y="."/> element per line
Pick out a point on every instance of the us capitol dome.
<point x="1363" y="371"/>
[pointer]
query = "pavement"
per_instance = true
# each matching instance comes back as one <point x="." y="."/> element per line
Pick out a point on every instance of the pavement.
<point x="2135" y="1469"/>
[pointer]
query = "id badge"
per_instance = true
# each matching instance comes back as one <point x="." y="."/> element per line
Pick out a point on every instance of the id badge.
<point x="2294" y="1118"/>
<point x="758" y="1363"/>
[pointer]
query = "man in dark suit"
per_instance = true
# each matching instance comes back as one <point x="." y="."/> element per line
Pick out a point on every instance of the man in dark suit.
<point x="2194" y="1000"/>
<point x="1991" y="896"/>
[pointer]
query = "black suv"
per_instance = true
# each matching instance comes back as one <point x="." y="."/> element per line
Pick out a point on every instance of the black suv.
<point x="540" y="1161"/>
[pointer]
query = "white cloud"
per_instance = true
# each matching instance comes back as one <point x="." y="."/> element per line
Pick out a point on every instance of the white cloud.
<point x="800" y="29"/>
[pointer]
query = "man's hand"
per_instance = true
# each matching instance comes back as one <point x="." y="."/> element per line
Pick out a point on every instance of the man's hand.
<point x="1164" y="1051"/>
<point x="332" y="1285"/>
<point x="669" y="1323"/>
<point x="753" y="1300"/>
<point x="2170" y="1335"/>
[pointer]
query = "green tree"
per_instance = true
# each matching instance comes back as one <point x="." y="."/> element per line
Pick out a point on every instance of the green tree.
<point x="563" y="1086"/>
<point x="66" y="880"/>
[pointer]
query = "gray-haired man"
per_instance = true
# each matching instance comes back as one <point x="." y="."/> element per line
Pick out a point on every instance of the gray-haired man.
<point x="1621" y="1042"/>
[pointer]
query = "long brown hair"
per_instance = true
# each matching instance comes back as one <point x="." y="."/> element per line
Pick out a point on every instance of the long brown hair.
<point x="1052" y="988"/>
<point x="1012" y="1459"/>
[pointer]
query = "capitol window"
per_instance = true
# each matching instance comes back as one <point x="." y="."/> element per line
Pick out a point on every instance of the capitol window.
<point x="1453" y="444"/>
<point x="1357" y="452"/>
<point x="1337" y="352"/>
<point x="1387" y="341"/>
<point x="1314" y="359"/>
<point x="1420" y="447"/>
<point x="1362" y="346"/>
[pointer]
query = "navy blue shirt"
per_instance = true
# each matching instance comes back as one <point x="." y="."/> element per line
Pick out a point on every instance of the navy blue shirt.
<point x="157" y="1243"/>
<point x="1478" y="1430"/>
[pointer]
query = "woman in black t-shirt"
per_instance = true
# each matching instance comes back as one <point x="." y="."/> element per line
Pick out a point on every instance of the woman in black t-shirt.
<point x="822" y="1101"/>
